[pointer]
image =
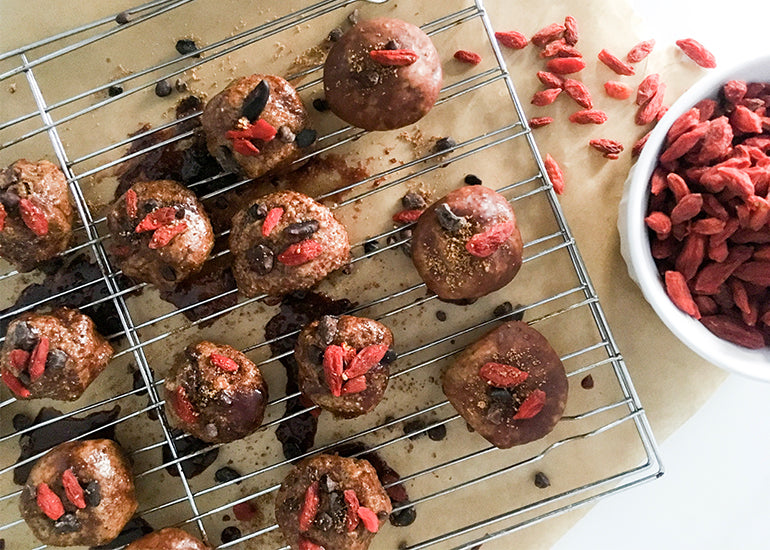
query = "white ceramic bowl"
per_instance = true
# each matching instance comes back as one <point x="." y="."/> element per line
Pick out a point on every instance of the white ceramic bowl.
<point x="635" y="245"/>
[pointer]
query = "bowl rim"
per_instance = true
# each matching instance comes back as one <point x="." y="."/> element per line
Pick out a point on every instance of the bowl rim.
<point x="636" y="248"/>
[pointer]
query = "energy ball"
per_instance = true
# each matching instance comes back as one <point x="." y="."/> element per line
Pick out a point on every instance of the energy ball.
<point x="343" y="363"/>
<point x="160" y="233"/>
<point x="510" y="385"/>
<point x="54" y="355"/>
<point x="382" y="74"/>
<point x="215" y="393"/>
<point x="285" y="241"/>
<point x="36" y="215"/>
<point x="332" y="502"/>
<point x="80" y="493"/>
<point x="169" y="538"/>
<point x="467" y="244"/>
<point x="256" y="125"/>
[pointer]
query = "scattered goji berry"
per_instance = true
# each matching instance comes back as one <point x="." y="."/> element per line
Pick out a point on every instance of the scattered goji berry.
<point x="545" y="97"/>
<point x="369" y="357"/>
<point x="369" y="519"/>
<point x="606" y="146"/>
<point x="259" y="129"/>
<point x="550" y="80"/>
<point x="640" y="51"/>
<point x="274" y="216"/>
<point x="579" y="92"/>
<point x="697" y="52"/>
<point x="531" y="405"/>
<point x="19" y="359"/>
<point x="132" y="203"/>
<point x="333" y="364"/>
<point x="49" y="502"/>
<point x="407" y="216"/>
<point x="540" y="121"/>
<point x="309" y="508"/>
<point x="547" y="34"/>
<point x="351" y="515"/>
<point x="225" y="363"/>
<point x="394" y="58"/>
<point x="555" y="174"/>
<point x="354" y="385"/>
<point x="501" y="375"/>
<point x="588" y="116"/>
<point x="565" y="65"/>
<point x="14" y="384"/>
<point x="677" y="290"/>
<point x="647" y="88"/>
<point x="649" y="110"/>
<point x="466" y="56"/>
<point x="618" y="90"/>
<point x="636" y="150"/>
<point x="570" y="30"/>
<point x="620" y="67"/>
<point x="157" y="218"/>
<point x="245" y="147"/>
<point x="300" y="253"/>
<point x="512" y="39"/>
<point x="33" y="217"/>
<point x="487" y="242"/>
<point x="72" y="488"/>
<point x="37" y="358"/>
<point x="560" y="48"/>
<point x="183" y="408"/>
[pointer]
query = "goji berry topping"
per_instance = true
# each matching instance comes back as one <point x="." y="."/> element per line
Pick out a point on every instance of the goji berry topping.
<point x="132" y="203"/>
<point x="487" y="242"/>
<point x="365" y="360"/>
<point x="354" y="385"/>
<point x="14" y="384"/>
<point x="72" y="489"/>
<point x="394" y="58"/>
<point x="49" y="502"/>
<point x="19" y="359"/>
<point x="300" y="253"/>
<point x="33" y="217"/>
<point x="531" y="405"/>
<point x="183" y="408"/>
<point x="157" y="218"/>
<point x="369" y="519"/>
<point x="512" y="39"/>
<point x="310" y="507"/>
<point x="37" y="358"/>
<point x="163" y="235"/>
<point x="351" y="515"/>
<point x="3" y="215"/>
<point x="407" y="216"/>
<point x="272" y="219"/>
<point x="224" y="363"/>
<point x="501" y="375"/>
<point x="334" y="364"/>
<point x="466" y="56"/>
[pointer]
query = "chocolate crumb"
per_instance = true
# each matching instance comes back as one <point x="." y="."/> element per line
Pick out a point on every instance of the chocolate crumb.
<point x="306" y="138"/>
<point x="587" y="382"/>
<point x="114" y="90"/>
<point x="371" y="246"/>
<point x="448" y="220"/>
<point x="122" y="18"/>
<point x="437" y="433"/>
<point x="441" y="315"/>
<point x="391" y="45"/>
<point x="503" y="309"/>
<point x="444" y="144"/>
<point x="229" y="534"/>
<point x="185" y="46"/>
<point x="470" y="179"/>
<point x="320" y="105"/>
<point x="542" y="481"/>
<point x="225" y="474"/>
<point x="162" y="88"/>
<point x="413" y="201"/>
<point x="335" y="34"/>
<point x="180" y="85"/>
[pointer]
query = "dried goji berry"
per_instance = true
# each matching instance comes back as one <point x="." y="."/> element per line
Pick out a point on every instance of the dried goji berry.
<point x="259" y="129"/>
<point x="647" y="88"/>
<point x="744" y="120"/>
<point x="3" y="215"/>
<point x="555" y="174"/>
<point x="560" y="48"/>
<point x="636" y="150"/>
<point x="309" y="508"/>
<point x="531" y="405"/>
<point x="245" y="147"/>
<point x="407" y="216"/>
<point x="640" y="51"/>
<point x="244" y="511"/>
<point x="334" y="364"/>
<point x="547" y="34"/>
<point x="466" y="56"/>
<point x="163" y="235"/>
<point x="706" y="305"/>
<point x="649" y="110"/>
<point x="708" y="226"/>
<point x="550" y="80"/>
<point x="394" y="58"/>
<point x="735" y="90"/>
<point x="618" y="90"/>
<point x="579" y="92"/>
<point x="487" y="242"/>
<point x="500" y="375"/>
<point x="620" y="67"/>
<point x="540" y="121"/>
<point x="676" y="288"/>
<point x="718" y="250"/>
<point x="711" y="276"/>
<point x="691" y="256"/>
<point x="354" y="385"/>
<point x="369" y="357"/>
<point x="512" y="39"/>
<point x="678" y="186"/>
<point x="660" y="223"/>
<point x="697" y="52"/>
<point x="222" y="362"/>
<point x="14" y="384"/>
<point x="545" y="97"/>
<point x="307" y="544"/>
<point x="49" y="502"/>
<point x="737" y="181"/>
<point x="300" y="253"/>
<point x="72" y="488"/>
<point x="663" y="249"/>
<point x="157" y="218"/>
<point x="570" y="30"/>
<point x="685" y="122"/>
<point x="349" y="352"/>
<point x="183" y="408"/>
<point x="369" y="519"/>
<point x="33" y="217"/>
<point x="740" y="296"/>
<point x="684" y="143"/>
<point x="18" y="359"/>
<point x="351" y="515"/>
<point x="757" y="272"/>
<point x="729" y="329"/>
<point x="588" y="116"/>
<point x="132" y="203"/>
<point x="687" y="208"/>
<point x="565" y="65"/>
<point x="606" y="146"/>
<point x="37" y="358"/>
<point x="272" y="218"/>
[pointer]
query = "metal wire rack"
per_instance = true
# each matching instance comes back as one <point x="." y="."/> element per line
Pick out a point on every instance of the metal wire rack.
<point x="603" y="444"/>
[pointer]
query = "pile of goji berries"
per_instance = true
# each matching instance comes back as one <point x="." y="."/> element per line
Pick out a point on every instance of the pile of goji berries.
<point x="709" y="213"/>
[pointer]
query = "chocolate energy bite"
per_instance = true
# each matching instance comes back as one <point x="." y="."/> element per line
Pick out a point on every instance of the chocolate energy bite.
<point x="343" y="363"/>
<point x="382" y="74"/>
<point x="169" y="538"/>
<point x="467" y="244"/>
<point x="285" y="241"/>
<point x="331" y="502"/>
<point x="215" y="393"/>
<point x="256" y="125"/>
<point x="80" y="493"/>
<point x="160" y="233"/>
<point x="54" y="355"/>
<point x="510" y="385"/>
<point x="36" y="215"/>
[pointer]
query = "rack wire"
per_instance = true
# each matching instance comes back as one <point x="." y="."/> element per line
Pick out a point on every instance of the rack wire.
<point x="606" y="426"/>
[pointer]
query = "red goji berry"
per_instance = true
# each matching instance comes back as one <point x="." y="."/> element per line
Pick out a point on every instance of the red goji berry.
<point x="560" y="48"/>
<point x="618" y="90"/>
<point x="745" y="120"/>
<point x="570" y="30"/>
<point x="550" y="80"/>
<point x="640" y="51"/>
<point x="369" y="357"/>
<point x="225" y="363"/>
<point x="354" y="385"/>
<point x="49" y="502"/>
<point x="14" y="384"/>
<point x="307" y="544"/>
<point x="18" y="359"/>
<point x="734" y="331"/>
<point x="636" y="150"/>
<point x="735" y="90"/>
<point x="547" y="34"/>
<point x="687" y="208"/>
<point x="244" y="511"/>
<point x="685" y="122"/>
<point x="37" y="358"/>
<point x="407" y="216"/>
<point x="697" y="52"/>
<point x="684" y="143"/>
<point x="579" y="92"/>
<point x="540" y="121"/>
<point x="487" y="242"/>
<point x="259" y="129"/>
<point x="757" y="273"/>
<point x="394" y="58"/>
<point x="466" y="56"/>
<point x="334" y="364"/>
<point x="677" y="290"/>
<point x="245" y="147"/>
<point x="606" y="146"/>
<point x="183" y="408"/>
<point x="274" y="216"/>
<point x="500" y="375"/>
<point x="588" y="116"/>
<point x="545" y="97"/>
<point x="369" y="519"/>
<point x="300" y="253"/>
<point x="309" y="507"/>
<point x="710" y="277"/>
<point x="740" y="296"/>
<point x="163" y="235"/>
<point x="157" y="218"/>
<point x="691" y="256"/>
<point x="649" y="110"/>
<point x="565" y="65"/>
<point x="72" y="488"/>
<point x="349" y="352"/>
<point x="132" y="203"/>
<point x="647" y="88"/>
<point x="618" y="66"/>
<point x="33" y="217"/>
<point x="660" y="223"/>
<point x="531" y="405"/>
<point x="3" y="215"/>
<point x="351" y="515"/>
<point x="555" y="174"/>
<point x="512" y="39"/>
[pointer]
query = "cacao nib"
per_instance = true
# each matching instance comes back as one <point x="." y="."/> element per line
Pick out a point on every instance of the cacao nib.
<point x="256" y="101"/>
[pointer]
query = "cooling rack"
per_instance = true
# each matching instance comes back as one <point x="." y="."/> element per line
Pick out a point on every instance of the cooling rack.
<point x="77" y="97"/>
